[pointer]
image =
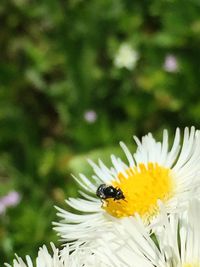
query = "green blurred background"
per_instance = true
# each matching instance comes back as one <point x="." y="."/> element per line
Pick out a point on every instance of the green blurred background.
<point x="76" y="77"/>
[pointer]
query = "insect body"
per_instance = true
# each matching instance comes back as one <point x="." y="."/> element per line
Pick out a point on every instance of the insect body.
<point x="108" y="191"/>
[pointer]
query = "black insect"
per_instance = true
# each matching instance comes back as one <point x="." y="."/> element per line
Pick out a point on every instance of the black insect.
<point x="108" y="191"/>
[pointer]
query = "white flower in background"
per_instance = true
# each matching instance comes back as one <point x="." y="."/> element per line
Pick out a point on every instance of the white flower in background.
<point x="170" y="64"/>
<point x="154" y="173"/>
<point x="126" y="57"/>
<point x="90" y="116"/>
<point x="176" y="241"/>
<point x="79" y="258"/>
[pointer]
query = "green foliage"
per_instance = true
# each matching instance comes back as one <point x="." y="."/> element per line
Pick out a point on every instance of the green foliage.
<point x="57" y="63"/>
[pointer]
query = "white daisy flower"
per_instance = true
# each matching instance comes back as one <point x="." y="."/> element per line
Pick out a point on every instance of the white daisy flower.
<point x="78" y="258"/>
<point x="176" y="241"/>
<point x="45" y="259"/>
<point x="154" y="173"/>
<point x="126" y="57"/>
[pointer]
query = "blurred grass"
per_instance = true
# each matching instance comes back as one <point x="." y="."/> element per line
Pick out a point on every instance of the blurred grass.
<point x="56" y="64"/>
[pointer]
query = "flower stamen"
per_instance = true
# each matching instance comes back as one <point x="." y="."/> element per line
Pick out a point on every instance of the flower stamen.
<point x="142" y="187"/>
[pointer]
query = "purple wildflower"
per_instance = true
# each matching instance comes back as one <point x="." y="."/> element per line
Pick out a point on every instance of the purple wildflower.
<point x="90" y="116"/>
<point x="170" y="64"/>
<point x="10" y="200"/>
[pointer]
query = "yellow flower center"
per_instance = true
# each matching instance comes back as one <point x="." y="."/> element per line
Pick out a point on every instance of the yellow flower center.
<point x="142" y="187"/>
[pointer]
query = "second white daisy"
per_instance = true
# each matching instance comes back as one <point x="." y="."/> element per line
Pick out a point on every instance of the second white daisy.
<point x="176" y="241"/>
<point x="56" y="258"/>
